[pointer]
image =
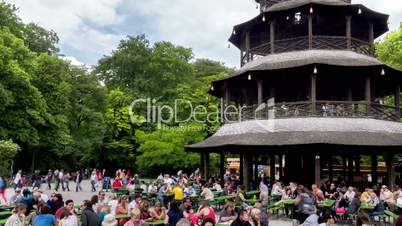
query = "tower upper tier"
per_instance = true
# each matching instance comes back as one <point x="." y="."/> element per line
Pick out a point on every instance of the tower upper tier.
<point x="294" y="25"/>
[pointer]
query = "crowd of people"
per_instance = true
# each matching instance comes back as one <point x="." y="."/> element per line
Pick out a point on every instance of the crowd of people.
<point x="189" y="200"/>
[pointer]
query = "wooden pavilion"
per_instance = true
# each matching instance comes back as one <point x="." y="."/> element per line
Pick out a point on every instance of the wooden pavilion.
<point x="309" y="89"/>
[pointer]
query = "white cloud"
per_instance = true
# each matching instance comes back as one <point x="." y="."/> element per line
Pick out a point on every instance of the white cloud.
<point x="69" y="19"/>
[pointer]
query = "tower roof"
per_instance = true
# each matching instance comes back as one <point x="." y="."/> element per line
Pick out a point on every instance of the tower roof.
<point x="304" y="131"/>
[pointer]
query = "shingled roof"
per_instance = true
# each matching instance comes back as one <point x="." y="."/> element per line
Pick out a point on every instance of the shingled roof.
<point x="307" y="57"/>
<point x="290" y="4"/>
<point x="303" y="131"/>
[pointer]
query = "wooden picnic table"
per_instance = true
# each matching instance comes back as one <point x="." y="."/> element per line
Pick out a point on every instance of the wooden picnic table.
<point x="367" y="207"/>
<point x="5" y="214"/>
<point x="328" y="203"/>
<point x="122" y="216"/>
<point x="158" y="222"/>
<point x="7" y="207"/>
<point x="254" y="192"/>
<point x="224" y="198"/>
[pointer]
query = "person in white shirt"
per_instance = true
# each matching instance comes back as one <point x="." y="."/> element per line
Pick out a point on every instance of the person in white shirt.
<point x="217" y="187"/>
<point x="17" y="180"/>
<point x="135" y="204"/>
<point x="349" y="194"/>
<point x="113" y="202"/>
<point x="387" y="196"/>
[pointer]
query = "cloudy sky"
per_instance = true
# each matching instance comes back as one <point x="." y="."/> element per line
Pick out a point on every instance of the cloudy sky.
<point x="89" y="29"/>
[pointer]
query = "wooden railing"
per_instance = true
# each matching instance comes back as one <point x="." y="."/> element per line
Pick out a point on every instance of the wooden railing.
<point x="302" y="43"/>
<point x="330" y="109"/>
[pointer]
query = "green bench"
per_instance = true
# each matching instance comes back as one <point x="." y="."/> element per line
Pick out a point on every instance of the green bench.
<point x="392" y="215"/>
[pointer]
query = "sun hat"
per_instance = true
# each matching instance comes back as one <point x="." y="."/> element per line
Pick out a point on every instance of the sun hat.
<point x="109" y="220"/>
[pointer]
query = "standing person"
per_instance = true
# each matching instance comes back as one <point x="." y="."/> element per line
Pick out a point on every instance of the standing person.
<point x="61" y="179"/>
<point x="17" y="182"/>
<point x="3" y="186"/>
<point x="56" y="180"/>
<point x="49" y="178"/>
<point x="18" y="217"/>
<point x="93" y="181"/>
<point x="88" y="215"/>
<point x="66" y="180"/>
<point x="304" y="204"/>
<point x="78" y="180"/>
<point x="36" y="180"/>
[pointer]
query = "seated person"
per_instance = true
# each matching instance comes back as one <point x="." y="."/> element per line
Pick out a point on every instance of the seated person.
<point x="228" y="213"/>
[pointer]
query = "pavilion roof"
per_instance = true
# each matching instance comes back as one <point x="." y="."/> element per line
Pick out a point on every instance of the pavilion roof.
<point x="306" y="57"/>
<point x="290" y="4"/>
<point x="305" y="131"/>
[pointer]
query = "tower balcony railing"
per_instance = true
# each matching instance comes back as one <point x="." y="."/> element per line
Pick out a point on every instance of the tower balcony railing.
<point x="302" y="109"/>
<point x="302" y="43"/>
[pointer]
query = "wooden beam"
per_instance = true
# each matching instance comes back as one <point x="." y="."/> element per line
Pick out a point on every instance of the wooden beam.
<point x="330" y="168"/>
<point x="313" y="93"/>
<point x="344" y="165"/>
<point x="272" y="169"/>
<point x="357" y="164"/>
<point x="390" y="170"/>
<point x="260" y="91"/>
<point x="368" y="94"/>
<point x="317" y="170"/>
<point x="246" y="172"/>
<point x="255" y="168"/>
<point x="374" y="166"/>
<point x="349" y="32"/>
<point x="202" y="168"/>
<point x="310" y="31"/>
<point x="371" y="38"/>
<point x="206" y="166"/>
<point x="222" y="166"/>
<point x="248" y="46"/>
<point x="241" y="58"/>
<point x="280" y="166"/>
<point x="272" y="36"/>
<point x="398" y="101"/>
<point x="350" y="169"/>
<point x="241" y="168"/>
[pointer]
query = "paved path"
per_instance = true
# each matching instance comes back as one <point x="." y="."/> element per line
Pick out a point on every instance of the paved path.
<point x="76" y="196"/>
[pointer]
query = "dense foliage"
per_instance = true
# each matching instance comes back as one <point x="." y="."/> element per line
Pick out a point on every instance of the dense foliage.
<point x="64" y="116"/>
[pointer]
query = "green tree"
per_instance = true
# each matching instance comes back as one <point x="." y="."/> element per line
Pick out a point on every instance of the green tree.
<point x="8" y="149"/>
<point x="40" y="40"/>
<point x="51" y="78"/>
<point x="389" y="50"/>
<point x="141" y="70"/>
<point x="23" y="108"/>
<point x="10" y="20"/>
<point x="86" y="117"/>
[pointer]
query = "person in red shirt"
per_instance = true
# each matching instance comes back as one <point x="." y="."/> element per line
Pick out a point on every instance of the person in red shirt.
<point x="117" y="184"/>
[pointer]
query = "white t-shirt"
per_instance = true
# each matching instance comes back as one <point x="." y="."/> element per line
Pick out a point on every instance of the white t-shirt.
<point x="17" y="178"/>
<point x="69" y="221"/>
<point x="113" y="205"/>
